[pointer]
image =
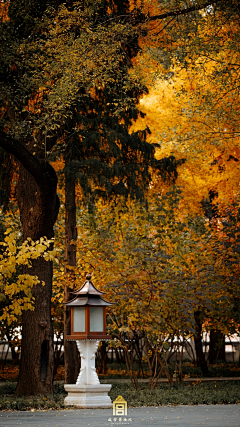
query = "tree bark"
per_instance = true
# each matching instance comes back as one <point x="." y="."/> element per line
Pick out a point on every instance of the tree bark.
<point x="38" y="204"/>
<point x="38" y="211"/>
<point x="71" y="357"/>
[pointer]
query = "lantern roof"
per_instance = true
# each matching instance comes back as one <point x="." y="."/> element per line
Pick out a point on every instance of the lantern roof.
<point x="88" y="288"/>
<point x="88" y="294"/>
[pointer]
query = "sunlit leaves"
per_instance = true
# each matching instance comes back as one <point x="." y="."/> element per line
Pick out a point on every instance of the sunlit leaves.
<point x="17" y="287"/>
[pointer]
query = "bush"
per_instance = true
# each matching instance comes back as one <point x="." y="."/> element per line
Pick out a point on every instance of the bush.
<point x="214" y="392"/>
<point x="194" y="393"/>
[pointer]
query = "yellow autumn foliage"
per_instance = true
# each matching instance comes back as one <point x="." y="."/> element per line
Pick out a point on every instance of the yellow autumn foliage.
<point x="15" y="286"/>
<point x="182" y="130"/>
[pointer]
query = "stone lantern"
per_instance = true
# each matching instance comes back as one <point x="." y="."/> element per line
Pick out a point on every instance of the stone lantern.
<point x="88" y="327"/>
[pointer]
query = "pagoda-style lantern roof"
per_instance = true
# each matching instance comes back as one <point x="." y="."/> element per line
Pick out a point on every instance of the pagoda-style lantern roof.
<point x="88" y="294"/>
<point x="88" y="312"/>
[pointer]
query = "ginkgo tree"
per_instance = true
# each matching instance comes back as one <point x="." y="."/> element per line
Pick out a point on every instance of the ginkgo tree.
<point x="193" y="112"/>
<point x="160" y="270"/>
<point x="193" y="109"/>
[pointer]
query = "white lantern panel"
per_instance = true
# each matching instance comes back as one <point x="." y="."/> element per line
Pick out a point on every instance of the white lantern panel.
<point x="79" y="319"/>
<point x="96" y="319"/>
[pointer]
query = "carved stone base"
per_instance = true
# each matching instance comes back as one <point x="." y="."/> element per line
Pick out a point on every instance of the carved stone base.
<point x="88" y="392"/>
<point x="88" y="396"/>
<point x="87" y="350"/>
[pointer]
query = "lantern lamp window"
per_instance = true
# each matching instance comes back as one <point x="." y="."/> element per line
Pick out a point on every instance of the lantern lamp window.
<point x="79" y="319"/>
<point x="96" y="319"/>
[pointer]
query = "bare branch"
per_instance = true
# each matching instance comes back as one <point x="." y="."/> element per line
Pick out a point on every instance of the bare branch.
<point x="185" y="11"/>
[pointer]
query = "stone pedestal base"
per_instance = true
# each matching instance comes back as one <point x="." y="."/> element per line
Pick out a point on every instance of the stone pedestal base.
<point x="88" y="396"/>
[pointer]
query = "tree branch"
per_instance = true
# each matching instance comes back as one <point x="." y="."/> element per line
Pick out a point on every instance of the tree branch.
<point x="185" y="11"/>
<point x="32" y="164"/>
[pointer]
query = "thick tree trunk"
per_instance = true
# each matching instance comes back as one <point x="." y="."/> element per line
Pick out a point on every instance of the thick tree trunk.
<point x="71" y="357"/>
<point x="198" y="344"/>
<point x="37" y="356"/>
<point x="38" y="205"/>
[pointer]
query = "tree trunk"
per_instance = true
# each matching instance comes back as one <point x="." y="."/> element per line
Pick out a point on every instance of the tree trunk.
<point x="71" y="357"/>
<point x="217" y="346"/>
<point x="102" y="368"/>
<point x="198" y="344"/>
<point x="38" y="205"/>
<point x="15" y="356"/>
